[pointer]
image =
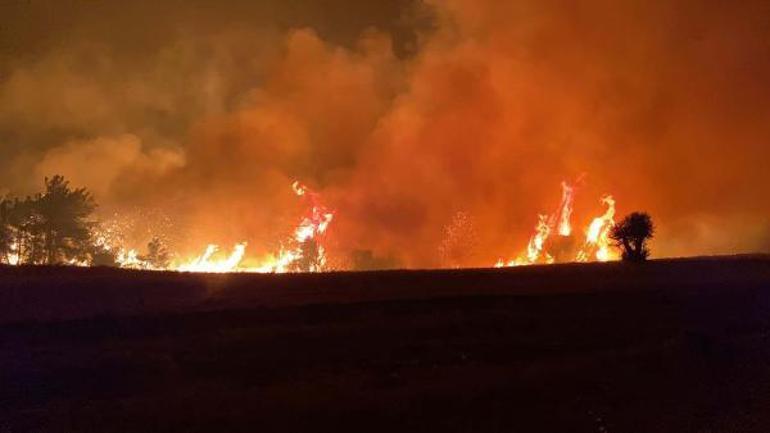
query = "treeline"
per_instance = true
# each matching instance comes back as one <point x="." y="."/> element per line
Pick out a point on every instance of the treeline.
<point x="51" y="227"/>
<point x="57" y="226"/>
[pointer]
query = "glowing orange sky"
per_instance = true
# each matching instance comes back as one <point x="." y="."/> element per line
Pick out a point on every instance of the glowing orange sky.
<point x="399" y="114"/>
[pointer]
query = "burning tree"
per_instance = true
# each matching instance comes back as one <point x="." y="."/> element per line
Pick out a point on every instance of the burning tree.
<point x="309" y="258"/>
<point x="309" y="255"/>
<point x="632" y="234"/>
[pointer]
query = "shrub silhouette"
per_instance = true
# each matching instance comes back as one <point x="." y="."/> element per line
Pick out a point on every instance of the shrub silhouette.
<point x="157" y="254"/>
<point x="632" y="235"/>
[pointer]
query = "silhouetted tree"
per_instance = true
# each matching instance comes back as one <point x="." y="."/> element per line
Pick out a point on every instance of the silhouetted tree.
<point x="632" y="234"/>
<point x="6" y="234"/>
<point x="50" y="227"/>
<point x="63" y="221"/>
<point x="157" y="254"/>
<point x="101" y="256"/>
<point x="23" y="220"/>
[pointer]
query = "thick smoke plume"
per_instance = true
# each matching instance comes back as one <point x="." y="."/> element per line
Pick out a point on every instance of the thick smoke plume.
<point x="462" y="106"/>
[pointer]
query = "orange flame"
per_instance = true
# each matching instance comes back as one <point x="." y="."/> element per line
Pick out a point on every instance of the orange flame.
<point x="597" y="245"/>
<point x="565" y="209"/>
<point x="204" y="263"/>
<point x="310" y="228"/>
<point x="558" y="221"/>
<point x="598" y="236"/>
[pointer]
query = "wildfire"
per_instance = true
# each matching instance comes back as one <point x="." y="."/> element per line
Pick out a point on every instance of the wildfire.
<point x="306" y="253"/>
<point x="130" y="259"/>
<point x="597" y="245"/>
<point x="554" y="239"/>
<point x="13" y="257"/>
<point x="558" y="222"/>
<point x="204" y="262"/>
<point x="598" y="236"/>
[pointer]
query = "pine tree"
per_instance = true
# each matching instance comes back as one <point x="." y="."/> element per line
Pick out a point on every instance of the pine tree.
<point x="62" y="221"/>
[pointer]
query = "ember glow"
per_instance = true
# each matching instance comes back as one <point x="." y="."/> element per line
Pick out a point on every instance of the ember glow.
<point x="13" y="254"/>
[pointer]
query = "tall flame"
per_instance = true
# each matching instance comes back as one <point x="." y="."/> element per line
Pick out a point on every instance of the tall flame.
<point x="598" y="235"/>
<point x="308" y="232"/>
<point x="597" y="245"/>
<point x="558" y="222"/>
<point x="565" y="209"/>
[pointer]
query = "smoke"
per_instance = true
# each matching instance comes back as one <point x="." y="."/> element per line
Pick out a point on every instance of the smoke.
<point x="484" y="112"/>
<point x="659" y="104"/>
<point x="103" y="163"/>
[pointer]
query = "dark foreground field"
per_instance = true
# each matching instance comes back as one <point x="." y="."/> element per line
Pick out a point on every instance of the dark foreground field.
<point x="670" y="346"/>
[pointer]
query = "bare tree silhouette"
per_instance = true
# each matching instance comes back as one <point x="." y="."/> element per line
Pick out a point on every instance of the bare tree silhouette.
<point x="6" y="233"/>
<point x="157" y="254"/>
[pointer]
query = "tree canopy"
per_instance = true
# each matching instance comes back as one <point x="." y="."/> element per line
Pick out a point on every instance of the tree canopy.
<point x="632" y="234"/>
<point x="52" y="227"/>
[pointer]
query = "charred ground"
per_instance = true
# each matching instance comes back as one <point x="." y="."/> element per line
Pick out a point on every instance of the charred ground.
<point x="667" y="346"/>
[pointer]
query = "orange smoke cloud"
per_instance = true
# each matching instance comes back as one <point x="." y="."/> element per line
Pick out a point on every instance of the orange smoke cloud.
<point x="505" y="100"/>
<point x="662" y="105"/>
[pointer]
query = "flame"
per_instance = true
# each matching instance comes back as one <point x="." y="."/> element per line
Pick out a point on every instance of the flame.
<point x="278" y="264"/>
<point x="204" y="262"/>
<point x="130" y="260"/>
<point x="537" y="242"/>
<point x="597" y="245"/>
<point x="305" y="239"/>
<point x="310" y="229"/>
<point x="558" y="222"/>
<point x="13" y="257"/>
<point x="303" y="249"/>
<point x="598" y="235"/>
<point x="565" y="209"/>
<point x="319" y="219"/>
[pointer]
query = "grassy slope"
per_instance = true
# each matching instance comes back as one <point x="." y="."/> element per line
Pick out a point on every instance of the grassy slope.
<point x="672" y="346"/>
